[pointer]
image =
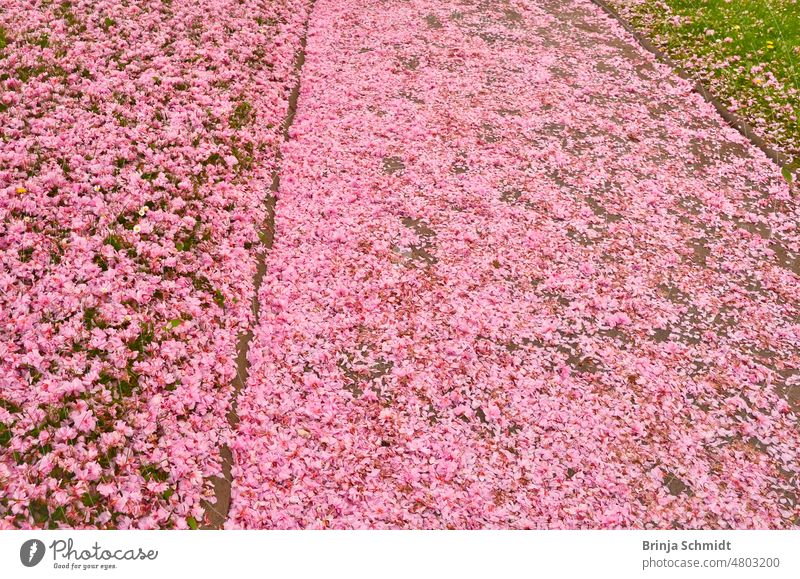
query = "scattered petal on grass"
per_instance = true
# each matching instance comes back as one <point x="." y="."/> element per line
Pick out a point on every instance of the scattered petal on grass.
<point x="129" y="199"/>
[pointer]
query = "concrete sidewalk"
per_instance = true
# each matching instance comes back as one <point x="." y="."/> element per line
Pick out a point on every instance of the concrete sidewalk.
<point x="522" y="276"/>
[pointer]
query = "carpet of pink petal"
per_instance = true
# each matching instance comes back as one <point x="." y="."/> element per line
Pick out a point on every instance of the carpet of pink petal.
<point x="522" y="276"/>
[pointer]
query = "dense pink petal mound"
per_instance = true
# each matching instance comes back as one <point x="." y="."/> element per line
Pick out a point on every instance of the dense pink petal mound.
<point x="138" y="144"/>
<point x="522" y="277"/>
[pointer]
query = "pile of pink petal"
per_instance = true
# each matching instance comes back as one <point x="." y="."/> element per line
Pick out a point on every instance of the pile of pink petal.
<point x="138" y="144"/>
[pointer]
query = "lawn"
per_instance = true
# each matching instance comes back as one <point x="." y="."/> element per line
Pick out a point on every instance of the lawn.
<point x="745" y="51"/>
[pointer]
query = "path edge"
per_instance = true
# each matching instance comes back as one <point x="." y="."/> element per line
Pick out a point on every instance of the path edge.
<point x="216" y="512"/>
<point x="731" y="118"/>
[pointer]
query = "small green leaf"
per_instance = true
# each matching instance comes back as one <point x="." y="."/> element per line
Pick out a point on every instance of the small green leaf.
<point x="219" y="298"/>
<point x="192" y="523"/>
<point x="5" y="435"/>
<point x="90" y="498"/>
<point x="39" y="510"/>
<point x="59" y="515"/>
<point x="786" y="171"/>
<point x="153" y="472"/>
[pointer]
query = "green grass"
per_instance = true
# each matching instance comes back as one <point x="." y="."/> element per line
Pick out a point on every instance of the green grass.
<point x="747" y="52"/>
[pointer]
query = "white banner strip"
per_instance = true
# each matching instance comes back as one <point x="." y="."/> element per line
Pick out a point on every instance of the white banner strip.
<point x="381" y="554"/>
